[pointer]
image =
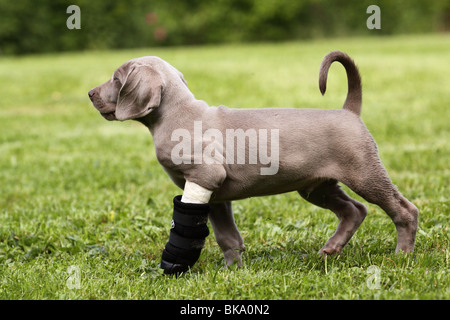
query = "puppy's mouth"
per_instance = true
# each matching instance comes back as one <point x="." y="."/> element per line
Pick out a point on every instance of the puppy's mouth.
<point x="109" y="115"/>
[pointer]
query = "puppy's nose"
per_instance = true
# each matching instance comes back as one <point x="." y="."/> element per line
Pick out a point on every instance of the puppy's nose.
<point x="91" y="93"/>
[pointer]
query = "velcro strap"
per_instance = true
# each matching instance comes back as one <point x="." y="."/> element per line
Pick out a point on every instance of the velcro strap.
<point x="189" y="220"/>
<point x="185" y="243"/>
<point x="173" y="268"/>
<point x="200" y="232"/>
<point x="180" y="256"/>
<point x="190" y="208"/>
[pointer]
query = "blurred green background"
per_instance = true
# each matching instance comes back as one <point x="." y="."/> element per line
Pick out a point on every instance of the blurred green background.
<point x="35" y="26"/>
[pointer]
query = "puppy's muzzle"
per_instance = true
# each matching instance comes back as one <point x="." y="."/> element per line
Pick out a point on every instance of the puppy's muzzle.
<point x="187" y="236"/>
<point x="91" y="94"/>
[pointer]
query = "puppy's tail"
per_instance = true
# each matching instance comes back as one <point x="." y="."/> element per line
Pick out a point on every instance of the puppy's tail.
<point x="354" y="95"/>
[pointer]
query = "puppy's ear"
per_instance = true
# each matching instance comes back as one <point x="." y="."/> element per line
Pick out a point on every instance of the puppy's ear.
<point x="140" y="93"/>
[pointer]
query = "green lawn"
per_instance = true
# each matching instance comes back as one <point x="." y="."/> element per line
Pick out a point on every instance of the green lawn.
<point x="80" y="193"/>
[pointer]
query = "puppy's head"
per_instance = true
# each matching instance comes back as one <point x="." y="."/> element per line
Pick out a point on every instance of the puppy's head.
<point x="134" y="90"/>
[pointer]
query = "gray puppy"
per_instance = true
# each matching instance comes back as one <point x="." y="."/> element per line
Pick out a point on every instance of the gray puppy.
<point x="311" y="150"/>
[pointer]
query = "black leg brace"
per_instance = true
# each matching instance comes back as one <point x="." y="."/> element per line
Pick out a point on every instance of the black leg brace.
<point x="187" y="236"/>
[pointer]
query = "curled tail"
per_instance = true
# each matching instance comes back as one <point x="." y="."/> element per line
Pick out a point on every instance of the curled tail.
<point x="354" y="95"/>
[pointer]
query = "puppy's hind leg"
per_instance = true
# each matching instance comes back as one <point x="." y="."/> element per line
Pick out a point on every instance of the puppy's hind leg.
<point x="350" y="213"/>
<point x="376" y="187"/>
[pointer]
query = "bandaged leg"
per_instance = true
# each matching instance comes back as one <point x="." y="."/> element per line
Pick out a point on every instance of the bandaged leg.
<point x="189" y="230"/>
<point x="193" y="193"/>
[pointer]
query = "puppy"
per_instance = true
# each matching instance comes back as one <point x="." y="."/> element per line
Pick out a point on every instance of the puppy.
<point x="217" y="154"/>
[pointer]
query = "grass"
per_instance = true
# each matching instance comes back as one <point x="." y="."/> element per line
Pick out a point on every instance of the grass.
<point x="76" y="190"/>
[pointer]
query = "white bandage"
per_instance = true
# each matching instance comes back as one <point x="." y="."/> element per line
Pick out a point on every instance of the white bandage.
<point x="193" y="193"/>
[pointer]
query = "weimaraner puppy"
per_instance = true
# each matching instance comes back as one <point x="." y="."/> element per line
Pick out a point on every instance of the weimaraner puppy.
<point x="311" y="150"/>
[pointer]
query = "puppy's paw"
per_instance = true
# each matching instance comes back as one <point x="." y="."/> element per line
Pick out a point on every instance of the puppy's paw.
<point x="233" y="257"/>
<point x="328" y="250"/>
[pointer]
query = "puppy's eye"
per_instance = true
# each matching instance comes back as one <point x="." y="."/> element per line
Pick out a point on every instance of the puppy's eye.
<point x="116" y="79"/>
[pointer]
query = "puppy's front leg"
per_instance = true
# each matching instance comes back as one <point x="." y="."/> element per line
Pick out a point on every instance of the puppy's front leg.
<point x="189" y="229"/>
<point x="193" y="193"/>
<point x="226" y="232"/>
<point x="222" y="221"/>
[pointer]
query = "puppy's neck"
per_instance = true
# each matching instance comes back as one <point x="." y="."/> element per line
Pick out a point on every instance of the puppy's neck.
<point x="168" y="113"/>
